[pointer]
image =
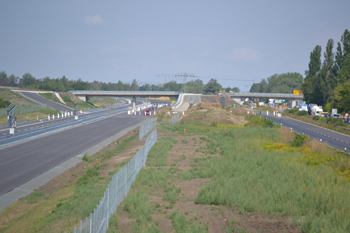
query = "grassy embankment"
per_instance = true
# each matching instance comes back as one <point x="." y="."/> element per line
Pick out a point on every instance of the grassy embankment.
<point x="71" y="100"/>
<point x="21" y="101"/>
<point x="335" y="124"/>
<point x="60" y="204"/>
<point x="253" y="169"/>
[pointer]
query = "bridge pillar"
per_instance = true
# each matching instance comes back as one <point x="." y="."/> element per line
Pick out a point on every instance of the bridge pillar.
<point x="83" y="98"/>
<point x="134" y="101"/>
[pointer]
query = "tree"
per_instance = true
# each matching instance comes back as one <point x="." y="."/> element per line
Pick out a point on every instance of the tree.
<point x="314" y="67"/>
<point x="344" y="73"/>
<point x="212" y="87"/>
<point x="236" y="89"/>
<point x="13" y="80"/>
<point x="27" y="80"/>
<point x="255" y="88"/>
<point x="327" y="72"/>
<point x="3" y="79"/>
<point x="134" y="86"/>
<point x="315" y="61"/>
<point x="342" y="97"/>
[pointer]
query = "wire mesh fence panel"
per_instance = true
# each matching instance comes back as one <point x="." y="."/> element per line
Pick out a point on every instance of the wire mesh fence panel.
<point x="117" y="190"/>
<point x="144" y="129"/>
<point x="175" y="118"/>
<point x="24" y="109"/>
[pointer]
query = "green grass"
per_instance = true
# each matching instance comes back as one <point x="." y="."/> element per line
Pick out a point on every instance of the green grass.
<point x="160" y="156"/>
<point x="248" y="178"/>
<point x="182" y="225"/>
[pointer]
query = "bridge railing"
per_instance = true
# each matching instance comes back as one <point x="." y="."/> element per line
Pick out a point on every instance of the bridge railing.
<point x="261" y="94"/>
<point x="126" y="92"/>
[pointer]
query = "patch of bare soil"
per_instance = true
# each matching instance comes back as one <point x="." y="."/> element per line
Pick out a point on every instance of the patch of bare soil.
<point x="211" y="113"/>
<point x="218" y="218"/>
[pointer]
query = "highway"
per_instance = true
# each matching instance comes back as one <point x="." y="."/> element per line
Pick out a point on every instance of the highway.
<point x="22" y="162"/>
<point x="335" y="139"/>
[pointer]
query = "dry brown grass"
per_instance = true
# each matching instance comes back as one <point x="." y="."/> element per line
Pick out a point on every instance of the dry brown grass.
<point x="319" y="147"/>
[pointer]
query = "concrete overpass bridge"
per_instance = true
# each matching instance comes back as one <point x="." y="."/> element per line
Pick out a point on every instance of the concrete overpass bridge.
<point x="241" y="97"/>
<point x="131" y="94"/>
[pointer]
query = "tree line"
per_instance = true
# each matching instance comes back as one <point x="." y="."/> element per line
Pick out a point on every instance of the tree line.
<point x="279" y="83"/>
<point x="63" y="84"/>
<point x="327" y="83"/>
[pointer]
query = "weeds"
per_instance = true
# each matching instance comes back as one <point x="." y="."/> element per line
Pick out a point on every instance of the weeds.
<point x="182" y="225"/>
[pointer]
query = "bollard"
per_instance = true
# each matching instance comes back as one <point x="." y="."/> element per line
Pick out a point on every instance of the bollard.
<point x="53" y="117"/>
<point x="281" y="123"/>
<point x="345" y="149"/>
<point x="37" y="118"/>
<point x="291" y="129"/>
<point x="48" y="117"/>
<point x="320" y="140"/>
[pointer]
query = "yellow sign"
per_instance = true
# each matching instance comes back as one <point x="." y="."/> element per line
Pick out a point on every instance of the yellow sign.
<point x="297" y="92"/>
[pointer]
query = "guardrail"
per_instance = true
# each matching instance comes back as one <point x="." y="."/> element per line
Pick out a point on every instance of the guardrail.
<point x="116" y="191"/>
<point x="30" y="134"/>
<point x="19" y="122"/>
<point x="24" y="109"/>
<point x="144" y="129"/>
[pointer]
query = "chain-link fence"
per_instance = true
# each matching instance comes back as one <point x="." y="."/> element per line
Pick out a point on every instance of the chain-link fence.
<point x="175" y="118"/>
<point x="116" y="191"/>
<point x="144" y="129"/>
<point x="24" y="109"/>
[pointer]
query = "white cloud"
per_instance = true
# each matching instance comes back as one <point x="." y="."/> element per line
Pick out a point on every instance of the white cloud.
<point x="244" y="54"/>
<point x="94" y="20"/>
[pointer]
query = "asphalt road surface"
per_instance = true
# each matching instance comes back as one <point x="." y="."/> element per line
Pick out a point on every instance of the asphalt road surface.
<point x="49" y="103"/>
<point x="22" y="162"/>
<point x="335" y="139"/>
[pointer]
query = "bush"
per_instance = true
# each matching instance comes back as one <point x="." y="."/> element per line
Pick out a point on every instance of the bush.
<point x="302" y="113"/>
<point x="316" y="118"/>
<point x="268" y="123"/>
<point x="3" y="103"/>
<point x="299" y="140"/>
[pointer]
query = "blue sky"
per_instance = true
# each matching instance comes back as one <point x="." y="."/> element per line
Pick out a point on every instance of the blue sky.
<point x="125" y="40"/>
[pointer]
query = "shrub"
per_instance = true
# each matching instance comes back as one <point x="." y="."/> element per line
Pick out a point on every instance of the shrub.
<point x="299" y="140"/>
<point x="302" y="113"/>
<point x="268" y="123"/>
<point x="3" y="103"/>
